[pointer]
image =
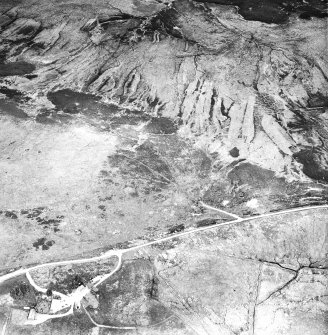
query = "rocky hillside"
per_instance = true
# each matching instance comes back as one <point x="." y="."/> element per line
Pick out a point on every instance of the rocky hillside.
<point x="240" y="88"/>
<point x="123" y="122"/>
<point x="173" y="101"/>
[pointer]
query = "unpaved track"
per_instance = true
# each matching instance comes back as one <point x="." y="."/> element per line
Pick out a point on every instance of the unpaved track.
<point x="120" y="252"/>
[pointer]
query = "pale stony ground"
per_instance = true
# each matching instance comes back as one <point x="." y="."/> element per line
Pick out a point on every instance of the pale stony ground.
<point x="44" y="165"/>
<point x="265" y="276"/>
<point x="62" y="173"/>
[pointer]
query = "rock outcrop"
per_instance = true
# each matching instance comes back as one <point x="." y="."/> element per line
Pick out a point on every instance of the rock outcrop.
<point x="123" y="121"/>
<point x="196" y="62"/>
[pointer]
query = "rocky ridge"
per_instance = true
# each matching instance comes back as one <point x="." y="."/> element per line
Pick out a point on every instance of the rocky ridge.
<point x="177" y="60"/>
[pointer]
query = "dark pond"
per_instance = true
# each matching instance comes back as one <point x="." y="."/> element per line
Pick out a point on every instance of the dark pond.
<point x="275" y="11"/>
<point x="72" y="102"/>
<point x="16" y="69"/>
<point x="92" y="110"/>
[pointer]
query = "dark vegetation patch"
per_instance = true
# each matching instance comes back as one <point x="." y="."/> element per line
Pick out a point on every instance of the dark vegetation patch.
<point x="89" y="109"/>
<point x="318" y="100"/>
<point x="227" y="190"/>
<point x="43" y="243"/>
<point x="152" y="230"/>
<point x="308" y="12"/>
<point x="76" y="324"/>
<point x="246" y="181"/>
<point x="300" y="122"/>
<point x="50" y="223"/>
<point x="102" y="207"/>
<point x="144" y="165"/>
<point x="8" y="285"/>
<point x="201" y="162"/>
<point x="65" y="279"/>
<point x="31" y="76"/>
<point x="161" y="125"/>
<point x="10" y="214"/>
<point x="253" y="175"/>
<point x="167" y="21"/>
<point x="13" y="94"/>
<point x="135" y="29"/>
<point x="182" y="157"/>
<point x="20" y="37"/>
<point x="3" y="55"/>
<point x="130" y="296"/>
<point x="33" y="213"/>
<point x="11" y="108"/>
<point x="311" y="124"/>
<point x="27" y="30"/>
<point x="176" y="229"/>
<point x="70" y="281"/>
<point x="152" y="166"/>
<point x="121" y="245"/>
<point x="169" y="244"/>
<point x="234" y="152"/>
<point x="125" y="28"/>
<point x="23" y="294"/>
<point x="315" y="163"/>
<point x="206" y="222"/>
<point x="38" y="215"/>
<point x="16" y="69"/>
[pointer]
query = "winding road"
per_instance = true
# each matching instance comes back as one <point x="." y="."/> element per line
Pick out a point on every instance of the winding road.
<point x="76" y="299"/>
<point x="120" y="252"/>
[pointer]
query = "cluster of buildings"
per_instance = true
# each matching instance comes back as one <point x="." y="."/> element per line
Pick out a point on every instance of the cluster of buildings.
<point x="53" y="304"/>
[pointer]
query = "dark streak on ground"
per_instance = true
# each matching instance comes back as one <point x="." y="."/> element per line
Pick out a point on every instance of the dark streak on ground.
<point x="176" y="229"/>
<point x="206" y="223"/>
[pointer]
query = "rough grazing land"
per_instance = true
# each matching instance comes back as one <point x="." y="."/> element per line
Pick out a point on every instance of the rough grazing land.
<point x="122" y="122"/>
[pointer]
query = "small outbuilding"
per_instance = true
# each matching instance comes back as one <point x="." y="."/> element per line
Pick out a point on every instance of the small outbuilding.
<point x="90" y="300"/>
<point x="31" y="314"/>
